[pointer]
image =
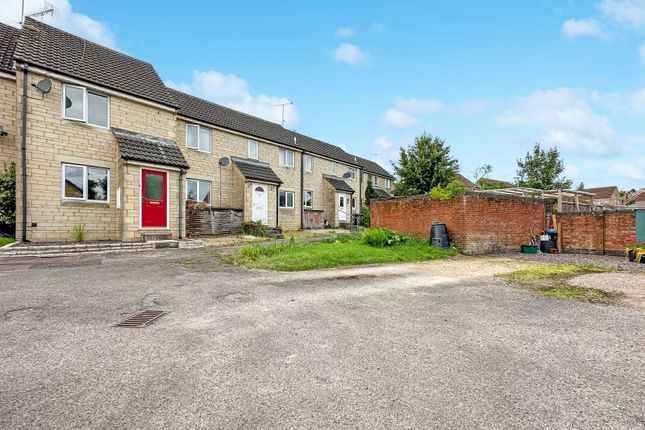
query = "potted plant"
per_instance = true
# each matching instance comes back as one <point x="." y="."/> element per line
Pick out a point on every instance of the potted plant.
<point x="635" y="249"/>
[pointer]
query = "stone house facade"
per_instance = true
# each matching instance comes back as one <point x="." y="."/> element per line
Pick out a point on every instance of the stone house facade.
<point x="110" y="148"/>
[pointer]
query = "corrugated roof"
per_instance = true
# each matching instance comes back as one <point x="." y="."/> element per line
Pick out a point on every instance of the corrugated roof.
<point x="48" y="47"/>
<point x="149" y="149"/>
<point x="602" y="192"/>
<point x="338" y="183"/>
<point x="256" y="171"/>
<point x="8" y="40"/>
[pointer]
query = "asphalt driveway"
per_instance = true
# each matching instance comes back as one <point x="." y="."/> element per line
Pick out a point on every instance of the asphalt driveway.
<point x="436" y="345"/>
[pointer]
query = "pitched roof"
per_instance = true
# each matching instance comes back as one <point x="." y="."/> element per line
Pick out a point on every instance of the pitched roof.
<point x="338" y="183"/>
<point x="213" y="113"/>
<point x="382" y="194"/>
<point x="8" y="40"/>
<point x="222" y="116"/>
<point x="497" y="182"/>
<point x="602" y="192"/>
<point x="48" y="47"/>
<point x="150" y="149"/>
<point x="374" y="167"/>
<point x="256" y="170"/>
<point x="465" y="181"/>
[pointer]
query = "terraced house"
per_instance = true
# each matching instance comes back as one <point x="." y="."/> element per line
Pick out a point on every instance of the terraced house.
<point x="100" y="141"/>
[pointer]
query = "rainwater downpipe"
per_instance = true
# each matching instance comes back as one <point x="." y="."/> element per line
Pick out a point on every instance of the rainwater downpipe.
<point x="181" y="202"/>
<point x="23" y="150"/>
<point x="302" y="190"/>
<point x="277" y="205"/>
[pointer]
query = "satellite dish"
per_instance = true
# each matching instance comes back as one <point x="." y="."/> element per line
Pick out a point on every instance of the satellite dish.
<point x="44" y="85"/>
<point x="347" y="175"/>
<point x="224" y="161"/>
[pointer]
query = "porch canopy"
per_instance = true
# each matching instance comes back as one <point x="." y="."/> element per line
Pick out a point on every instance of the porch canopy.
<point x="339" y="184"/>
<point x="254" y="170"/>
<point x="149" y="149"/>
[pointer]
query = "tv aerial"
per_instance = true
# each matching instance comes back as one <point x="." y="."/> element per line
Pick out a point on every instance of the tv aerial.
<point x="283" y="105"/>
<point x="47" y="9"/>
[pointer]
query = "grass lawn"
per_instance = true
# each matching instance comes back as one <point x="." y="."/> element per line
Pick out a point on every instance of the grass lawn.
<point x="6" y="241"/>
<point x="552" y="281"/>
<point x="349" y="251"/>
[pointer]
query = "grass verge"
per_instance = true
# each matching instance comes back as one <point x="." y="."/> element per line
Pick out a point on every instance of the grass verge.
<point x="553" y="281"/>
<point x="344" y="250"/>
<point x="6" y="241"/>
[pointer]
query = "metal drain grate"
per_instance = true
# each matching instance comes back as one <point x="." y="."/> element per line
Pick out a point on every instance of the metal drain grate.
<point x="141" y="319"/>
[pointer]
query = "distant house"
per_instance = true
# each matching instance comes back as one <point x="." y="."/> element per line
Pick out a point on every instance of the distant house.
<point x="639" y="198"/>
<point x="605" y="196"/>
<point x="465" y="181"/>
<point x="492" y="184"/>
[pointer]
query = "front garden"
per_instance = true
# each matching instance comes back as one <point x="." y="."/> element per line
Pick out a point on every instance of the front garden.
<point x="373" y="246"/>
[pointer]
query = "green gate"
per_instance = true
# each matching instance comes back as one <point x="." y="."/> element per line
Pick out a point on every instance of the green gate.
<point x="640" y="225"/>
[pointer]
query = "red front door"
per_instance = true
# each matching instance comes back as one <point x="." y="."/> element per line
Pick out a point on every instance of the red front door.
<point x="154" y="198"/>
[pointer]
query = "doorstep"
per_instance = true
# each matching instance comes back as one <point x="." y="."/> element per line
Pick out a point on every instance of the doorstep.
<point x="63" y="250"/>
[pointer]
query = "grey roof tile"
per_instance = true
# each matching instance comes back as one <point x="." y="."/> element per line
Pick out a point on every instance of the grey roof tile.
<point x="374" y="167"/>
<point x="149" y="149"/>
<point x="8" y="40"/>
<point x="382" y="194"/>
<point x="256" y="170"/>
<point x="48" y="47"/>
<point x="338" y="183"/>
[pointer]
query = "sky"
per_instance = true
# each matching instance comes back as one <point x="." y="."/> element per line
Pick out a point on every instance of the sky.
<point x="491" y="78"/>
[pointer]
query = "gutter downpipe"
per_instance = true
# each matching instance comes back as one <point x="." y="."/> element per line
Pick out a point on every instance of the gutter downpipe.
<point x="181" y="202"/>
<point x="302" y="191"/>
<point x="23" y="150"/>
<point x="277" y="205"/>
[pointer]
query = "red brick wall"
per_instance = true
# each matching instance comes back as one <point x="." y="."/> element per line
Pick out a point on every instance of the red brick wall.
<point x="584" y="232"/>
<point x="476" y="223"/>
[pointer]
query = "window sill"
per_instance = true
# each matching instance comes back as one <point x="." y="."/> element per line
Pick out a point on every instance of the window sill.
<point x="83" y="123"/>
<point x="199" y="150"/>
<point x="83" y="203"/>
<point x="286" y="209"/>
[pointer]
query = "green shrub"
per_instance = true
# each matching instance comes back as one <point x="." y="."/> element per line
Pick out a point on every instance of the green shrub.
<point x="8" y="199"/>
<point x="254" y="228"/>
<point x="383" y="237"/>
<point x="344" y="237"/>
<point x="453" y="189"/>
<point x="365" y="218"/>
<point x="79" y="233"/>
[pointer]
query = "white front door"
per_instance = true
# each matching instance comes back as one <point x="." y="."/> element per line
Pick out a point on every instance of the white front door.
<point x="260" y="203"/>
<point x="342" y="207"/>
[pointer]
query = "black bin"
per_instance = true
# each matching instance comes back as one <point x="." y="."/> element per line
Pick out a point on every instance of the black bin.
<point x="439" y="235"/>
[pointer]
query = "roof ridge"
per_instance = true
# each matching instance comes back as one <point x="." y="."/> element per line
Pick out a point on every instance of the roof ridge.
<point x="27" y="18"/>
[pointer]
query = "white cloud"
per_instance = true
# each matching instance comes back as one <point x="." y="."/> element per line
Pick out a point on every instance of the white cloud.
<point x="398" y="119"/>
<point x="641" y="51"/>
<point x="566" y="120"/>
<point x="65" y="18"/>
<point x="625" y="12"/>
<point x="345" y="32"/>
<point x="633" y="170"/>
<point x="416" y="106"/>
<point x="232" y="91"/>
<point x="350" y="54"/>
<point x="582" y="27"/>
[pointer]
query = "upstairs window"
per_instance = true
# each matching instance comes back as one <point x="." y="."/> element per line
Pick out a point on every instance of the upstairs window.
<point x="254" y="149"/>
<point x="308" y="199"/>
<point x="286" y="199"/>
<point x="352" y="173"/>
<point x="376" y="181"/>
<point x="198" y="137"/>
<point x="286" y="157"/>
<point x="85" y="183"/>
<point x="332" y="167"/>
<point x="387" y="183"/>
<point x="82" y="105"/>
<point x="198" y="191"/>
<point x="308" y="162"/>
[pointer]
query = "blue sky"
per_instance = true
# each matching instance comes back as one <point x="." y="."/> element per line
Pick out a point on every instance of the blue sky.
<point x="491" y="78"/>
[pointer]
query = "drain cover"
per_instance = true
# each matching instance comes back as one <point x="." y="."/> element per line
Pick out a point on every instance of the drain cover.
<point x="140" y="319"/>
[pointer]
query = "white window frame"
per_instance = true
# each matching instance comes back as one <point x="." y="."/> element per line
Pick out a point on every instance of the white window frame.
<point x="387" y="183"/>
<point x="199" y="138"/>
<point x="352" y="170"/>
<point x="308" y="160"/>
<point x="85" y="106"/>
<point x="286" y="152"/>
<point x="257" y="149"/>
<point x="376" y="181"/>
<point x="332" y="167"/>
<point x="210" y="190"/>
<point x="85" y="187"/>
<point x="304" y="199"/>
<point x="286" y="199"/>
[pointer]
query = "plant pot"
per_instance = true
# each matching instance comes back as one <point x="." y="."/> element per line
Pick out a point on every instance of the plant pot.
<point x="631" y="255"/>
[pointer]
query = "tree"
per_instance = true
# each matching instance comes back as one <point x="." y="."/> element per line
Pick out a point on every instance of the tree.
<point x="370" y="193"/>
<point x="542" y="170"/>
<point x="581" y="186"/>
<point x="8" y="199"/>
<point x="424" y="165"/>
<point x="481" y="172"/>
